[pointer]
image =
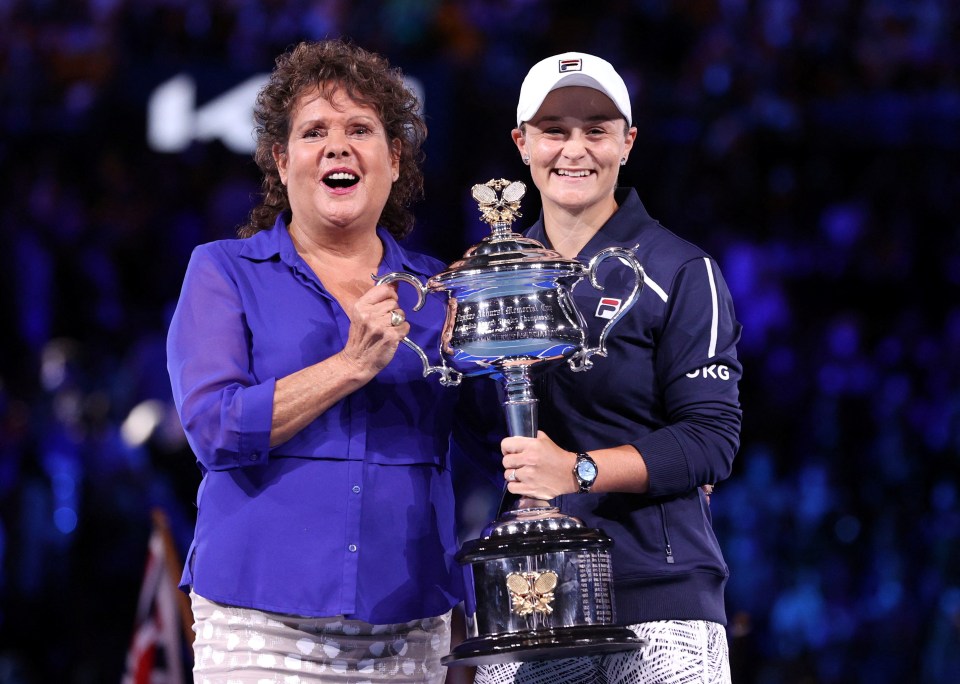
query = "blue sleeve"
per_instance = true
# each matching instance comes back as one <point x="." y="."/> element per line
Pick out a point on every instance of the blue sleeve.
<point x="698" y="373"/>
<point x="226" y="413"/>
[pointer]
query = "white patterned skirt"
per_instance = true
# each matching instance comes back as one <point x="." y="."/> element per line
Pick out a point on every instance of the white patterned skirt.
<point x="244" y="646"/>
<point x="677" y="652"/>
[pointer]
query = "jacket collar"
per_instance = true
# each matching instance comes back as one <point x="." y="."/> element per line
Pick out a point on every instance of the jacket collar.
<point x="623" y="228"/>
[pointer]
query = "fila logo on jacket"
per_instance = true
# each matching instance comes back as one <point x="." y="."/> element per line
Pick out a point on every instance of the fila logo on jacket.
<point x="608" y="307"/>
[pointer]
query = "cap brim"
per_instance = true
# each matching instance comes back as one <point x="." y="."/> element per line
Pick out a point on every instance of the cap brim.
<point x="566" y="81"/>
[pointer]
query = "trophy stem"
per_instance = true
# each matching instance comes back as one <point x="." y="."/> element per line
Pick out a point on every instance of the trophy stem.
<point x="520" y="403"/>
<point x="520" y="406"/>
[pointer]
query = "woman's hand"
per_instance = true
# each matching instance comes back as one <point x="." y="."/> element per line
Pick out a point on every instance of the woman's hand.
<point x="377" y="325"/>
<point x="371" y="343"/>
<point x="537" y="468"/>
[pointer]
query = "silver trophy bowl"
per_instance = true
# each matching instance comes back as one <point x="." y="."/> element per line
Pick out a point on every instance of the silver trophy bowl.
<point x="542" y="579"/>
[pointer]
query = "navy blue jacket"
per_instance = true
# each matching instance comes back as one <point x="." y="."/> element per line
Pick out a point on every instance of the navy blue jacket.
<point x="668" y="386"/>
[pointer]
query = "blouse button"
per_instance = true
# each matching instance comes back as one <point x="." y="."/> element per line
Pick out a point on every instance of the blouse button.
<point x="352" y="548"/>
<point x="356" y="489"/>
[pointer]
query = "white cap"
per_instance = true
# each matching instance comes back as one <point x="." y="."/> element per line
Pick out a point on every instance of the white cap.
<point x="571" y="69"/>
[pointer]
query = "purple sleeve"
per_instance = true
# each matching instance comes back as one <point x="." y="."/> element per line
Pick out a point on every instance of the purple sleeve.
<point x="225" y="411"/>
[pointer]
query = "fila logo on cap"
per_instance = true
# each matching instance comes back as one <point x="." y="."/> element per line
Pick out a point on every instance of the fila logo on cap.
<point x="608" y="307"/>
<point x="571" y="65"/>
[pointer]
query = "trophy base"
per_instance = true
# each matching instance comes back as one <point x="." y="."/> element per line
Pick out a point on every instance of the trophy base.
<point x="545" y="644"/>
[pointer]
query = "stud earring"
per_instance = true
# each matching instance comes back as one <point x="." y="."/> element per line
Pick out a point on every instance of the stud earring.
<point x="526" y="160"/>
<point x="623" y="161"/>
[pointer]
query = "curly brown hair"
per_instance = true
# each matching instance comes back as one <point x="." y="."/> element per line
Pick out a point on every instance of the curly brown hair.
<point x="369" y="80"/>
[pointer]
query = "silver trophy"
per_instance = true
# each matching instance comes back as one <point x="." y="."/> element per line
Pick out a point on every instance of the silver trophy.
<point x="542" y="579"/>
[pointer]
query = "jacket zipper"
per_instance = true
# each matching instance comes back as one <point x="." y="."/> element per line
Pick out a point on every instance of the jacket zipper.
<point x="666" y="535"/>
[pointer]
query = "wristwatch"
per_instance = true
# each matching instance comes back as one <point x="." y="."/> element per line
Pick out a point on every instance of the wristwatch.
<point x="585" y="472"/>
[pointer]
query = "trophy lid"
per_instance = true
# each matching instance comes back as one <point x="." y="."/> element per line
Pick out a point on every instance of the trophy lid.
<point x="504" y="249"/>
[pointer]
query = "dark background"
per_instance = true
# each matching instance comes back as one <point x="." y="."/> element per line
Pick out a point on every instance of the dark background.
<point x="812" y="147"/>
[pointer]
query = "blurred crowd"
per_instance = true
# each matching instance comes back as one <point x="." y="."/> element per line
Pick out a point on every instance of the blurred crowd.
<point x="812" y="147"/>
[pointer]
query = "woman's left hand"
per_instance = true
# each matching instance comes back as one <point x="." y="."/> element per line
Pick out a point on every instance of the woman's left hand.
<point x="537" y="468"/>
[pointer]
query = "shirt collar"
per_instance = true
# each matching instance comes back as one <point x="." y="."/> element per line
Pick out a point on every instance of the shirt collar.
<point x="265" y="245"/>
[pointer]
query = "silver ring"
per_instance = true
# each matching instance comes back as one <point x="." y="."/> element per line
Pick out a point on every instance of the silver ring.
<point x="513" y="475"/>
<point x="396" y="317"/>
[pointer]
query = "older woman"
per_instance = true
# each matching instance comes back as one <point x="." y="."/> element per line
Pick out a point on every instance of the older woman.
<point x="324" y="541"/>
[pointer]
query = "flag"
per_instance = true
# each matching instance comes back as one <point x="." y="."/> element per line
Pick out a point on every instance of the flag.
<point x="163" y="621"/>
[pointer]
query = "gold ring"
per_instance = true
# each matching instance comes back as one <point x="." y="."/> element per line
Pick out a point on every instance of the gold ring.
<point x="396" y="317"/>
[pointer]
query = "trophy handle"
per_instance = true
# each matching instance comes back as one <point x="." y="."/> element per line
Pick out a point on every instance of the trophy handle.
<point x="580" y="361"/>
<point x="448" y="376"/>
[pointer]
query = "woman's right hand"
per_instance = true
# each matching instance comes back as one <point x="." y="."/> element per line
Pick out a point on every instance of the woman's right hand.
<point x="371" y="342"/>
<point x="373" y="339"/>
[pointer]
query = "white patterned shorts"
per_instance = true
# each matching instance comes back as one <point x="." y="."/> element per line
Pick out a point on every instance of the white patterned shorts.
<point x="243" y="646"/>
<point x="677" y="652"/>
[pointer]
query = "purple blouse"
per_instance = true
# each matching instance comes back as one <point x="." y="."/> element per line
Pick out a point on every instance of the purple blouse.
<point x="354" y="515"/>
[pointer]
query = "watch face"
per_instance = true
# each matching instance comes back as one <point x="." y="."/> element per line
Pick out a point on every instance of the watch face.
<point x="587" y="470"/>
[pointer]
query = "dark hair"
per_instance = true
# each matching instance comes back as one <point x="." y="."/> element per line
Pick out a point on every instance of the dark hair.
<point x="366" y="78"/>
